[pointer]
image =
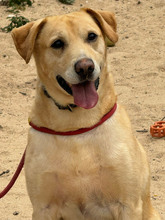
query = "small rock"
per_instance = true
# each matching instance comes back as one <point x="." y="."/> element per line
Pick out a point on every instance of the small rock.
<point x="155" y="178"/>
<point x="11" y="16"/>
<point x="154" y="197"/>
<point x="4" y="172"/>
<point x="23" y="93"/>
<point x="27" y="82"/>
<point x="142" y="131"/>
<point x="139" y="2"/>
<point x="15" y="213"/>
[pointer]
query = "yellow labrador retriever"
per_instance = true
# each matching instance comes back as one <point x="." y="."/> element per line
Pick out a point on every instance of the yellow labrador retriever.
<point x="82" y="160"/>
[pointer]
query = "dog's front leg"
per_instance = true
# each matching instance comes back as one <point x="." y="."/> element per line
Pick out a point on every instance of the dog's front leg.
<point x="139" y="213"/>
<point x="132" y="212"/>
<point x="68" y="212"/>
<point x="44" y="214"/>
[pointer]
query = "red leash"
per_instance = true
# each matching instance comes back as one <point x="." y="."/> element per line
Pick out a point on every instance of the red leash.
<point x="49" y="131"/>
<point x="14" y="178"/>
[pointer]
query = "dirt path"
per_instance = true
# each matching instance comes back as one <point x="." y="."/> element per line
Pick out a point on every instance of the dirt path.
<point x="138" y="65"/>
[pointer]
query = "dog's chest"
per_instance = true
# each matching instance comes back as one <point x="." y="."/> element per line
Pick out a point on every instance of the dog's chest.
<point x="82" y="180"/>
<point x="77" y="172"/>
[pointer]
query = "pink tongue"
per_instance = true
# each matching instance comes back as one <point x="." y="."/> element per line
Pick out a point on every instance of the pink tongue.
<point x="85" y="94"/>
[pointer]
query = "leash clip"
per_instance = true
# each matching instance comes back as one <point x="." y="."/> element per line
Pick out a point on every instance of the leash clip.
<point x="158" y="129"/>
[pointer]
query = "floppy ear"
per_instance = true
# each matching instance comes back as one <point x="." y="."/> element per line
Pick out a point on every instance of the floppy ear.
<point x="106" y="21"/>
<point x="24" y="38"/>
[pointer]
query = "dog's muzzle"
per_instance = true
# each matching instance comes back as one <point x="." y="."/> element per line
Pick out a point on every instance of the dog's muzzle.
<point x="84" y="94"/>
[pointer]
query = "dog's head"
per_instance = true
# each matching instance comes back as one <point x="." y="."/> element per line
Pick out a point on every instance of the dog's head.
<point x="70" y="52"/>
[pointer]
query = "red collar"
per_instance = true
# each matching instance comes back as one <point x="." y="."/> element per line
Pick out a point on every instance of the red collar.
<point x="79" y="131"/>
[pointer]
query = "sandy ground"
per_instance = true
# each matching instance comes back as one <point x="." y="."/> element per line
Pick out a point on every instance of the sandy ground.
<point x="138" y="65"/>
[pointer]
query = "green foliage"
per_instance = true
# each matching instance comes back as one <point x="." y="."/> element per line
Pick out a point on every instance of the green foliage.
<point x="13" y="10"/>
<point x="16" y="21"/>
<point x="16" y="5"/>
<point x="68" y="2"/>
<point x="13" y="7"/>
<point x="23" y="3"/>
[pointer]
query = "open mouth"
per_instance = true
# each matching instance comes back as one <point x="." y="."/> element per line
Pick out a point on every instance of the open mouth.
<point x="64" y="84"/>
<point x="85" y="94"/>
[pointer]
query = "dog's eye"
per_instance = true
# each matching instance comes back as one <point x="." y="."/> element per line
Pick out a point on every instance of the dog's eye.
<point x="92" y="37"/>
<point x="58" y="44"/>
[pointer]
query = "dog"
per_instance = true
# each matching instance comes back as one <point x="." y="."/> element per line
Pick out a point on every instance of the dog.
<point x="82" y="161"/>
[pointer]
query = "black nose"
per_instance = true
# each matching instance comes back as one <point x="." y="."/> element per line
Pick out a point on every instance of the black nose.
<point x="84" y="68"/>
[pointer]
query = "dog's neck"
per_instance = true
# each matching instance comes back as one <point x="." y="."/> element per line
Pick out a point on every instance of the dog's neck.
<point x="69" y="107"/>
<point x="45" y="113"/>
